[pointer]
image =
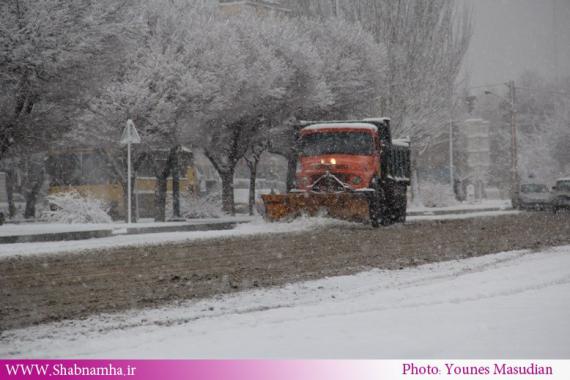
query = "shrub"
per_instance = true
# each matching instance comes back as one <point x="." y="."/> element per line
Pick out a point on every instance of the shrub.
<point x="71" y="207"/>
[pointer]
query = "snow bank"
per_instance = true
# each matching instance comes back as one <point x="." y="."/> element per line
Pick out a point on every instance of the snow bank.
<point x="71" y="207"/>
<point x="508" y="305"/>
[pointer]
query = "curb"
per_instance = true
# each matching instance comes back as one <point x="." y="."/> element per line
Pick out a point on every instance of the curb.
<point x="135" y="230"/>
<point x="455" y="212"/>
<point x="57" y="236"/>
<point x="183" y="228"/>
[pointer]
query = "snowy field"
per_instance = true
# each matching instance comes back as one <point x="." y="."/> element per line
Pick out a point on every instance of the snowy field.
<point x="255" y="227"/>
<point x="507" y="305"/>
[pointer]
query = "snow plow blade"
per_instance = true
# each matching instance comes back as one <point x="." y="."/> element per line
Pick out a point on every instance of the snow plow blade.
<point x="345" y="206"/>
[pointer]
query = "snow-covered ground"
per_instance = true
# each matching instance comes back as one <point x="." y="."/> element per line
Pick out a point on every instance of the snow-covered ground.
<point x="507" y="305"/>
<point x="256" y="227"/>
<point x="486" y="204"/>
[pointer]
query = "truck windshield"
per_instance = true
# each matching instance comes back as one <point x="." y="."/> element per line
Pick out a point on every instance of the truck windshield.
<point x="357" y="143"/>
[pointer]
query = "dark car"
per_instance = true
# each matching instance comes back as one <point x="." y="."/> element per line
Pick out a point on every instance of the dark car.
<point x="560" y="196"/>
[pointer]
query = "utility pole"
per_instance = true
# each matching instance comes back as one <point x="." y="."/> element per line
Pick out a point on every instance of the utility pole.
<point x="130" y="136"/>
<point x="555" y="40"/>
<point x="514" y="154"/>
<point x="337" y="8"/>
<point x="451" y="174"/>
<point x="451" y="109"/>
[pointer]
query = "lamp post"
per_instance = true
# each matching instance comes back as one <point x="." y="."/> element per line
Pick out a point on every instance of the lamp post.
<point x="514" y="153"/>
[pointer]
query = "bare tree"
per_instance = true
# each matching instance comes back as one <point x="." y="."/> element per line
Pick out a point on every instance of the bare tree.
<point x="51" y="51"/>
<point x="426" y="42"/>
<point x="252" y="157"/>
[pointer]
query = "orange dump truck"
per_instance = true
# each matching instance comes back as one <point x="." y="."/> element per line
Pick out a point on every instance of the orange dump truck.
<point x="349" y="170"/>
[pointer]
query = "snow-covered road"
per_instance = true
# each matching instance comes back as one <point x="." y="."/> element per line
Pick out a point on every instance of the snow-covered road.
<point x="507" y="305"/>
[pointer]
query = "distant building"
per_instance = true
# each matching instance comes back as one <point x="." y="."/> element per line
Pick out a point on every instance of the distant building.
<point x="475" y="133"/>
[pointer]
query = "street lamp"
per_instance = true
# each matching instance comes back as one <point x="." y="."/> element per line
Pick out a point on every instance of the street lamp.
<point x="514" y="154"/>
<point x="470" y="101"/>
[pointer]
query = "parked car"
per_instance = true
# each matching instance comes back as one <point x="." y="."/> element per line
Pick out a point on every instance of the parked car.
<point x="533" y="196"/>
<point x="560" y="196"/>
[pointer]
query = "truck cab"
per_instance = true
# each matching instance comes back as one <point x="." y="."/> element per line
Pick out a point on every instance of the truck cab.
<point x="349" y="153"/>
<point x="349" y="170"/>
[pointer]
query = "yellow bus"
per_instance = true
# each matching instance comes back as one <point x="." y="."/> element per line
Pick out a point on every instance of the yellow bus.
<point x="96" y="173"/>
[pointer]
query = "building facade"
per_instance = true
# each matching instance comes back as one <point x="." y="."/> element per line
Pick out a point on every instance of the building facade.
<point x="475" y="133"/>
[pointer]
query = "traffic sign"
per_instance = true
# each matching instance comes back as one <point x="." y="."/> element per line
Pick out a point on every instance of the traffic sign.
<point x="130" y="134"/>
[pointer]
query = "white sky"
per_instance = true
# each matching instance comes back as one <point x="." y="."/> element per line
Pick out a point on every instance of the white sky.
<point x="511" y="36"/>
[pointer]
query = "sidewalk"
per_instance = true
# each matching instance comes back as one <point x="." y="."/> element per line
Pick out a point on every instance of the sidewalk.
<point x="44" y="232"/>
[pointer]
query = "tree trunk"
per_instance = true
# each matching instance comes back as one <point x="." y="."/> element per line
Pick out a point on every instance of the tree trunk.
<point x="252" y="177"/>
<point x="228" y="204"/>
<point x="291" y="170"/>
<point x="10" y="179"/>
<point x="32" y="197"/>
<point x="226" y="172"/>
<point x="160" y="198"/>
<point x="176" y="187"/>
<point x="35" y="174"/>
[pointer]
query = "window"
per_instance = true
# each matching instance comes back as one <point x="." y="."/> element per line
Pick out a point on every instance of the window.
<point x="356" y="143"/>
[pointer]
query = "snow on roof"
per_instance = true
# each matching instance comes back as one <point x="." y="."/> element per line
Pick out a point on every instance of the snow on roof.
<point x="316" y="127"/>
<point x="563" y="179"/>
<point x="401" y="142"/>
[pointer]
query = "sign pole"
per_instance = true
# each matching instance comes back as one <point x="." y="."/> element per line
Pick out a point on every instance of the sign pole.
<point x="130" y="136"/>
<point x="129" y="181"/>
